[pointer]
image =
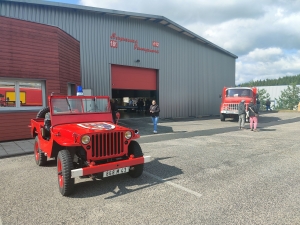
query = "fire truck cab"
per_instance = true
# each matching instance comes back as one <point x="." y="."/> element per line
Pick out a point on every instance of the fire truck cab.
<point x="231" y="97"/>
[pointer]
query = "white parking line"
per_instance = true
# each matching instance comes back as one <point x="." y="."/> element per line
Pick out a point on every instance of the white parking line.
<point x="173" y="184"/>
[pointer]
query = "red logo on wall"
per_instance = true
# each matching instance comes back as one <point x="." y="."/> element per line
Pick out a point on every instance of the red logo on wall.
<point x="115" y="39"/>
<point x="155" y="44"/>
<point x="113" y="44"/>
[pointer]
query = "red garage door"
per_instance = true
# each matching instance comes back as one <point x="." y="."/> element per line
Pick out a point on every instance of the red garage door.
<point x="132" y="78"/>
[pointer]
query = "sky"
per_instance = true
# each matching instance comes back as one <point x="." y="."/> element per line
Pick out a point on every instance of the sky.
<point x="265" y="34"/>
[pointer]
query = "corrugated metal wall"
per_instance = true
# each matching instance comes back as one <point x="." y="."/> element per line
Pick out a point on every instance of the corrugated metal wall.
<point x="191" y="75"/>
<point x="274" y="91"/>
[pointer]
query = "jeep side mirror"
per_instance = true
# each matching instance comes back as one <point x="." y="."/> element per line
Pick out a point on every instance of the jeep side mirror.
<point x="220" y="96"/>
<point x="118" y="117"/>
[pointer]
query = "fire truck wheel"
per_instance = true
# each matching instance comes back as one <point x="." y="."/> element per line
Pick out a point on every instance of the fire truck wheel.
<point x="236" y="117"/>
<point x="42" y="112"/>
<point x="39" y="156"/>
<point x="135" y="149"/>
<point x="222" y="117"/>
<point x="64" y="167"/>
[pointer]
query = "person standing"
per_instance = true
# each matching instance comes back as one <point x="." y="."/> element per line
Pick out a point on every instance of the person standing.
<point x="147" y="105"/>
<point x="242" y="114"/>
<point x="154" y="112"/>
<point x="130" y="102"/>
<point x="114" y="109"/>
<point x="253" y="114"/>
<point x="268" y="103"/>
<point x="257" y="104"/>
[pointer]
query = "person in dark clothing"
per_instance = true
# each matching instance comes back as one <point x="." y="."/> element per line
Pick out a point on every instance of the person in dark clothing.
<point x="242" y="114"/>
<point x="140" y="105"/>
<point x="253" y="114"/>
<point x="114" y="109"/>
<point x="147" y="105"/>
<point x="268" y="104"/>
<point x="258" y="104"/>
<point x="154" y="112"/>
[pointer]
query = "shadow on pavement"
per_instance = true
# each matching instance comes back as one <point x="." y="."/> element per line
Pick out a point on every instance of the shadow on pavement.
<point x="123" y="184"/>
<point x="263" y="129"/>
<point x="208" y="132"/>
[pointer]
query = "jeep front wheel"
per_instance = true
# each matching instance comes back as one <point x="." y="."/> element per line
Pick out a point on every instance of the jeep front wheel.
<point x="39" y="156"/>
<point x="135" y="149"/>
<point x="64" y="167"/>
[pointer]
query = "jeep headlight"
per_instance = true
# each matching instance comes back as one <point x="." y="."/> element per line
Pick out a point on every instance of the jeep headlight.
<point x="85" y="139"/>
<point x="127" y="134"/>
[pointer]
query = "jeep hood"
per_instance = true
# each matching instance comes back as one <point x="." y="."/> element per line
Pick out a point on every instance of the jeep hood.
<point x="68" y="130"/>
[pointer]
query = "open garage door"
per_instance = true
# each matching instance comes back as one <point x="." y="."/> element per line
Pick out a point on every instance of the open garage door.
<point x="132" y="78"/>
<point x="132" y="89"/>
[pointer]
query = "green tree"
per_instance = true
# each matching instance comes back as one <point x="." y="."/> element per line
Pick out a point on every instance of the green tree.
<point x="289" y="98"/>
<point x="271" y="82"/>
<point x="263" y="95"/>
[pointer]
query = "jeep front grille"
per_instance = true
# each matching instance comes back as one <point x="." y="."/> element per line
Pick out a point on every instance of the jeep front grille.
<point x="108" y="144"/>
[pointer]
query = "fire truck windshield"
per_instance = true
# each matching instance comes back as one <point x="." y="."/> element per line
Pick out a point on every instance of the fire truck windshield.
<point x="239" y="92"/>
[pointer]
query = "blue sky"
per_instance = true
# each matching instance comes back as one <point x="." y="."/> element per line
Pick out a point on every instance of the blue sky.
<point x="264" y="35"/>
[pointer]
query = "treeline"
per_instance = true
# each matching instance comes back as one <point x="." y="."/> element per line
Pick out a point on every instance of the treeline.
<point x="273" y="82"/>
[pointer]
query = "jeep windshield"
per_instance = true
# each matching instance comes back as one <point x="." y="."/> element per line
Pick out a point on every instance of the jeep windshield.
<point x="239" y="92"/>
<point x="71" y="105"/>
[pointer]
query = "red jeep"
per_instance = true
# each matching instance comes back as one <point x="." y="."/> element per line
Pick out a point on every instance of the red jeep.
<point x="231" y="97"/>
<point x="79" y="132"/>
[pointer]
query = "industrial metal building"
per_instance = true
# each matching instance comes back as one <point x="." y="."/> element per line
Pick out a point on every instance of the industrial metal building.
<point x="35" y="60"/>
<point x="131" y="54"/>
<point x="274" y="92"/>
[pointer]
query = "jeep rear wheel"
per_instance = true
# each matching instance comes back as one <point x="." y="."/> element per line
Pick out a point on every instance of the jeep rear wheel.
<point x="39" y="156"/>
<point x="64" y="167"/>
<point x="135" y="149"/>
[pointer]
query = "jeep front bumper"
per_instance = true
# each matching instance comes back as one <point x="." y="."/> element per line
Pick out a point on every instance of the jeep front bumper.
<point x="109" y="166"/>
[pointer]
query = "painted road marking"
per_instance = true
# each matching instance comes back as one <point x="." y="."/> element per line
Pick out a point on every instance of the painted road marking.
<point x="173" y="184"/>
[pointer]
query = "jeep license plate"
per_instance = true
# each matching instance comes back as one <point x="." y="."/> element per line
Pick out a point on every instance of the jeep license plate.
<point x="115" y="172"/>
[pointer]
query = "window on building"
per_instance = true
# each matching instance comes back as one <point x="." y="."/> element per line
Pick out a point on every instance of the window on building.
<point x="71" y="89"/>
<point x="21" y="94"/>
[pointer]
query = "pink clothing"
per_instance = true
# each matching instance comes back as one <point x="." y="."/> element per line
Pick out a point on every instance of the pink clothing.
<point x="254" y="120"/>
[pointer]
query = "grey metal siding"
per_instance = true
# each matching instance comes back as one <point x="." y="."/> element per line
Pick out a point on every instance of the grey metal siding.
<point x="191" y="75"/>
<point x="274" y="91"/>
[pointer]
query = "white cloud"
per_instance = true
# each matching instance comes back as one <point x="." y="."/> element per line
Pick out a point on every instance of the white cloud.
<point x="264" y="35"/>
<point x="265" y="55"/>
<point x="269" y="63"/>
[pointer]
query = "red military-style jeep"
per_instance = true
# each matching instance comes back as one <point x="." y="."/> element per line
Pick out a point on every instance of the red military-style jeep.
<point x="79" y="132"/>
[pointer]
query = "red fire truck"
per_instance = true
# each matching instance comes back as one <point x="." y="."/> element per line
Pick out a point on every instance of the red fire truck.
<point x="232" y="96"/>
<point x="29" y="96"/>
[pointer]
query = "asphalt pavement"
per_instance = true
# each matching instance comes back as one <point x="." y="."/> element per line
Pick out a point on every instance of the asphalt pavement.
<point x="202" y="171"/>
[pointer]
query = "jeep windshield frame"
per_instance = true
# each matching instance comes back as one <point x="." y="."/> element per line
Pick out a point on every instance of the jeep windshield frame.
<point x="79" y="109"/>
<point x="80" y="105"/>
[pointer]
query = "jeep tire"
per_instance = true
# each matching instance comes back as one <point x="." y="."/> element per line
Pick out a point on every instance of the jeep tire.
<point x="39" y="156"/>
<point x="42" y="112"/>
<point x="135" y="149"/>
<point x="64" y="167"/>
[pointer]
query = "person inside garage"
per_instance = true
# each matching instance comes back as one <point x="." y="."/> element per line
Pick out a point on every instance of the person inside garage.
<point x="114" y="109"/>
